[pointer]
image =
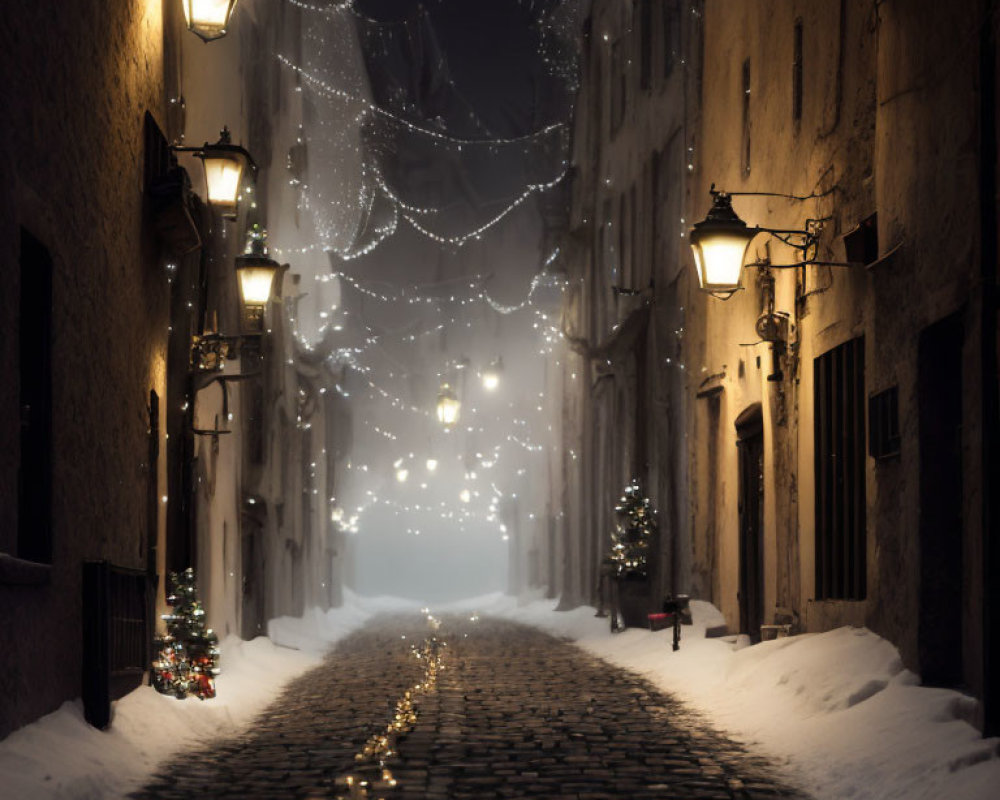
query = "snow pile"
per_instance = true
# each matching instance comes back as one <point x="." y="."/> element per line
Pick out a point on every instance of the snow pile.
<point x="61" y="757"/>
<point x="836" y="712"/>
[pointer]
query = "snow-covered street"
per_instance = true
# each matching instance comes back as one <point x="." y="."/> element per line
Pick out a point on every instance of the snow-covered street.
<point x="835" y="713"/>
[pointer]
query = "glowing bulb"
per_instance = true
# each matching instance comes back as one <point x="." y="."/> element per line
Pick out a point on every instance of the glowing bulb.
<point x="465" y="495"/>
<point x="432" y="464"/>
<point x="402" y="475"/>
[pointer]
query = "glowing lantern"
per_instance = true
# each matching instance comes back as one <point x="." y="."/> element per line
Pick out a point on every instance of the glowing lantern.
<point x="491" y="375"/>
<point x="447" y="406"/>
<point x="719" y="243"/>
<point x="208" y="19"/>
<point x="256" y="271"/>
<point x="225" y="164"/>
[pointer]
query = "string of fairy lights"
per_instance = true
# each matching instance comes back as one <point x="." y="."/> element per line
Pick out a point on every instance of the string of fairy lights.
<point x="327" y="89"/>
<point x="332" y="89"/>
<point x="354" y="223"/>
<point x="372" y="763"/>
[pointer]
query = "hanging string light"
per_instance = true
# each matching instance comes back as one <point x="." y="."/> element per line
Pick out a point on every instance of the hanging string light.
<point x="328" y="90"/>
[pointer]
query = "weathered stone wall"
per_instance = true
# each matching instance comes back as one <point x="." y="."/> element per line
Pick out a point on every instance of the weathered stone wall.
<point x="887" y="124"/>
<point x="828" y="147"/>
<point x="927" y="165"/>
<point x="626" y="218"/>
<point x="885" y="127"/>
<point x="76" y="87"/>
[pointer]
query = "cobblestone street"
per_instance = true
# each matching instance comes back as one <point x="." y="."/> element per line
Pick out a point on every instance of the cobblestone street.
<point x="515" y="713"/>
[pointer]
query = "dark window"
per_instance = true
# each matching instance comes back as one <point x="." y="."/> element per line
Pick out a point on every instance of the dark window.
<point x="883" y="423"/>
<point x="622" y="237"/>
<point x="668" y="18"/>
<point x="597" y="102"/>
<point x="152" y="478"/>
<point x="646" y="43"/>
<point x="607" y="240"/>
<point x="619" y="85"/>
<point x="652" y="228"/>
<point x="839" y="408"/>
<point x="157" y="157"/>
<point x="861" y="242"/>
<point x="623" y="83"/>
<point x="630" y="278"/>
<point x="34" y="514"/>
<point x="256" y="430"/>
<point x="745" y="146"/>
<point x="797" y="73"/>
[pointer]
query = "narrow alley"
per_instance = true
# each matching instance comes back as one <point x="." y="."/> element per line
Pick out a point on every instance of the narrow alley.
<point x="514" y="713"/>
<point x="458" y="399"/>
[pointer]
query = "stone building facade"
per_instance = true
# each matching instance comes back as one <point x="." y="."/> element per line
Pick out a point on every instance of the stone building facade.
<point x="119" y="460"/>
<point x="85" y="301"/>
<point x="822" y="443"/>
<point x="624" y="380"/>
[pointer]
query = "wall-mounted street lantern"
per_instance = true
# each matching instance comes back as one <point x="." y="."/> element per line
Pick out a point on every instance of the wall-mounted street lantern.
<point x="720" y="242"/>
<point x="225" y="166"/>
<point x="255" y="270"/>
<point x="208" y="19"/>
<point x="447" y="406"/>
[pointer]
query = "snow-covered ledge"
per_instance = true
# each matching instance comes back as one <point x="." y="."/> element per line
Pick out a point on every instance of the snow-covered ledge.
<point x="19" y="571"/>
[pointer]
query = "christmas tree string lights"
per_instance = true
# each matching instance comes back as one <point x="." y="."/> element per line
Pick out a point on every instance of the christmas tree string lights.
<point x="188" y="655"/>
<point x="633" y="533"/>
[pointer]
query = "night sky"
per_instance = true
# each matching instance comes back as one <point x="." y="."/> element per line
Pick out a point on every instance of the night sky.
<point x="491" y="50"/>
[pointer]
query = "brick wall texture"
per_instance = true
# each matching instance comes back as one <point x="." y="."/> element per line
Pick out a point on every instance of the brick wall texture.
<point x="78" y="79"/>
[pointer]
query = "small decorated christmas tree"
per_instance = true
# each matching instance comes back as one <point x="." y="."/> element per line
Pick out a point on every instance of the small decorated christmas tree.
<point x="630" y="540"/>
<point x="188" y="656"/>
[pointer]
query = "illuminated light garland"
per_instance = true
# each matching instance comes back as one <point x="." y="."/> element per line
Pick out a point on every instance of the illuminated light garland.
<point x="382" y="233"/>
<point x="381" y="182"/>
<point x="334" y="8"/>
<point x="534" y="448"/>
<point x="558" y="36"/>
<point x="396" y="402"/>
<point x="387" y="434"/>
<point x="412" y="294"/>
<point x="462" y="516"/>
<point x="332" y="91"/>
<point x="461" y="239"/>
<point x="535" y="281"/>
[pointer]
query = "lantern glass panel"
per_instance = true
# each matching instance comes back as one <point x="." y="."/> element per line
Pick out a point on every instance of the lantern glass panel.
<point x="208" y="18"/>
<point x="222" y="177"/>
<point x="255" y="283"/>
<point x="719" y="255"/>
<point x="447" y="407"/>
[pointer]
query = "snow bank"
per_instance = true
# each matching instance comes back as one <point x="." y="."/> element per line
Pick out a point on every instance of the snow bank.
<point x="61" y="757"/>
<point x="836" y="711"/>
